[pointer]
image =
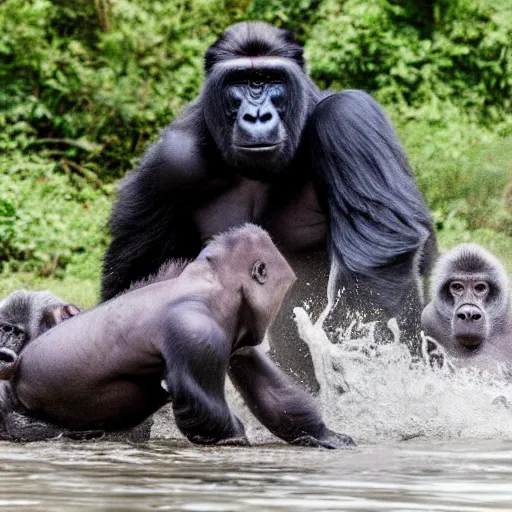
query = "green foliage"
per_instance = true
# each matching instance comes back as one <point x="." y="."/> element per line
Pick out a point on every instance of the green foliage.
<point x="417" y="54"/>
<point x="297" y="16"/>
<point x="109" y="77"/>
<point x="50" y="221"/>
<point x="85" y="85"/>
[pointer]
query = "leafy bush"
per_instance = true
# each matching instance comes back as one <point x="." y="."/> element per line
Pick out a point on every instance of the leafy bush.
<point x="418" y="53"/>
<point x="109" y="78"/>
<point x="86" y="84"/>
<point x="50" y="221"/>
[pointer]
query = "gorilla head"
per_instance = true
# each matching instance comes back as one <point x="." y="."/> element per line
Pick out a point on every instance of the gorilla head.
<point x="246" y="261"/>
<point x="24" y="315"/>
<point x="469" y="311"/>
<point x="256" y="97"/>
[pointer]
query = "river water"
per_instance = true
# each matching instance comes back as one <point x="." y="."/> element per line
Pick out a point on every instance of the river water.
<point x="428" y="439"/>
<point x="165" y="475"/>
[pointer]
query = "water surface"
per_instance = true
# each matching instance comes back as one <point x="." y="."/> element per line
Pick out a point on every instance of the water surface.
<point x="168" y="475"/>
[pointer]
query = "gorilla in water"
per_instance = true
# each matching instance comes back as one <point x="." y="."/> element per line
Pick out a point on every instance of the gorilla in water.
<point x="191" y="325"/>
<point x="469" y="313"/>
<point x="324" y="173"/>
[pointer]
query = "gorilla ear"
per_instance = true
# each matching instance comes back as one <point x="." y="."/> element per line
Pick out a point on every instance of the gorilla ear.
<point x="259" y="272"/>
<point x="69" y="311"/>
<point x="56" y="315"/>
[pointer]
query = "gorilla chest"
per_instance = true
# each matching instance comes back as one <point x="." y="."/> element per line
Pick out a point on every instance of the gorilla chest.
<point x="293" y="217"/>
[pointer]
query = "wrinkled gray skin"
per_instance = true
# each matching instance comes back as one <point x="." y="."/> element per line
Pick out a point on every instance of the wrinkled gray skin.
<point x="24" y="315"/>
<point x="190" y="325"/>
<point x="469" y="313"/>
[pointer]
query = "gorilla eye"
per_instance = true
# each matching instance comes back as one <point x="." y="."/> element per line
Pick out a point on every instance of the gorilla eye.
<point x="481" y="288"/>
<point x="259" y="272"/>
<point x="456" y="288"/>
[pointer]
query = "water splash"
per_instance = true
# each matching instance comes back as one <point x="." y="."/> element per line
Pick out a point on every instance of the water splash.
<point x="378" y="391"/>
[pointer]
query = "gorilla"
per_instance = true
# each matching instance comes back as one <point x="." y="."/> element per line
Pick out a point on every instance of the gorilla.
<point x="24" y="315"/>
<point x="324" y="173"/>
<point x="191" y="325"/>
<point x="469" y="314"/>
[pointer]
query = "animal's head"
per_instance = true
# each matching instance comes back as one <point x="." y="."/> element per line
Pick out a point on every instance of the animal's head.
<point x="470" y="301"/>
<point x="24" y="315"/>
<point x="246" y="260"/>
<point x="256" y="97"/>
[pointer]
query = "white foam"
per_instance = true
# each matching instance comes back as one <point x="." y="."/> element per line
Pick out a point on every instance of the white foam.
<point x="376" y="391"/>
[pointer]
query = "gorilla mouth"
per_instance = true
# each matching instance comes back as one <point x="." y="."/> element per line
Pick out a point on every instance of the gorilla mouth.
<point x="260" y="148"/>
<point x="470" y="342"/>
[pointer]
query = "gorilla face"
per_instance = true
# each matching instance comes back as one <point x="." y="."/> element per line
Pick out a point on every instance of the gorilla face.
<point x="255" y="110"/>
<point x="255" y="100"/>
<point x="469" y="310"/>
<point x="470" y="322"/>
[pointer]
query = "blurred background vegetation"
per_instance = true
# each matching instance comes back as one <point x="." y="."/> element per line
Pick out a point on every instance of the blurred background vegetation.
<point x="85" y="85"/>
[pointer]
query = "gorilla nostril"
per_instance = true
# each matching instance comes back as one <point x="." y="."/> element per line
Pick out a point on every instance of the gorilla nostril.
<point x="266" y="117"/>
<point x="249" y="118"/>
<point x="461" y="316"/>
<point x="476" y="316"/>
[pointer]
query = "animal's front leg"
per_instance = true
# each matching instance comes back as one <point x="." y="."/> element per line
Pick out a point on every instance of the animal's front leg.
<point x="196" y="353"/>
<point x="281" y="406"/>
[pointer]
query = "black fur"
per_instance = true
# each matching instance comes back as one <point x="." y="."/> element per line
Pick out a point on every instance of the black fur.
<point x="379" y="222"/>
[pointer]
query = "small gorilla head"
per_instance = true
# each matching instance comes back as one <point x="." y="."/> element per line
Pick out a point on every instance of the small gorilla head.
<point x="246" y="261"/>
<point x="470" y="303"/>
<point x="256" y="97"/>
<point x="24" y="315"/>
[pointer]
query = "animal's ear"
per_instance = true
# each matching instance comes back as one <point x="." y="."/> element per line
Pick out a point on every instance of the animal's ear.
<point x="69" y="311"/>
<point x="259" y="272"/>
<point x="8" y="363"/>
<point x="56" y="315"/>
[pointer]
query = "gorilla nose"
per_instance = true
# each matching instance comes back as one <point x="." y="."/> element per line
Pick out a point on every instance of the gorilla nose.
<point x="469" y="313"/>
<point x="259" y="126"/>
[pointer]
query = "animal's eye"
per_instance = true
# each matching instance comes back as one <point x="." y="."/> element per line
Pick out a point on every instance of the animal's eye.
<point x="456" y="288"/>
<point x="259" y="272"/>
<point x="481" y="288"/>
<point x="11" y="330"/>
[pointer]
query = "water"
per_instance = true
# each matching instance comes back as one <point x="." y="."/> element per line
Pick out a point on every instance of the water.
<point x="429" y="439"/>
<point x="165" y="475"/>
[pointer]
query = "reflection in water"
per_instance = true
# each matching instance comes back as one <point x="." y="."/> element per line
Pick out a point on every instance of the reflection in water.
<point x="429" y="440"/>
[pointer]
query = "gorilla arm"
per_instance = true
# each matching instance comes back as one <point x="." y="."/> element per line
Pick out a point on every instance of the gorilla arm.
<point x="149" y="222"/>
<point x="281" y="406"/>
<point x="381" y="232"/>
<point x="196" y="352"/>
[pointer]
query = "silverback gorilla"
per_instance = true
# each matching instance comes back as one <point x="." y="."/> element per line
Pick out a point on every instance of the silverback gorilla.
<point x="263" y="144"/>
<point x="470" y="309"/>
<point x="191" y="324"/>
<point x="25" y="315"/>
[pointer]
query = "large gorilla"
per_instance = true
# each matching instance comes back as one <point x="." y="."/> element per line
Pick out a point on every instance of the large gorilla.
<point x="263" y="144"/>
